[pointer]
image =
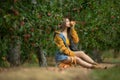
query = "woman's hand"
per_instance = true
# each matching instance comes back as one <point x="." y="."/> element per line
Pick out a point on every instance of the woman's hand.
<point x="72" y="23"/>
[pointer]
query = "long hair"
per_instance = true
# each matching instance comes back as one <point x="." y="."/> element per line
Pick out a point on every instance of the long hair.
<point x="62" y="26"/>
<point x="68" y="33"/>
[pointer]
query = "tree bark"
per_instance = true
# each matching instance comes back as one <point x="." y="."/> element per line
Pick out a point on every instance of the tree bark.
<point x="97" y="55"/>
<point x="14" y="53"/>
<point x="116" y="53"/>
<point x="41" y="57"/>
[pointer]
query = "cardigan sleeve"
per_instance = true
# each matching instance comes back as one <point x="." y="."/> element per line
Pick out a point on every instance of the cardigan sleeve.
<point x="74" y="35"/>
<point x="60" y="44"/>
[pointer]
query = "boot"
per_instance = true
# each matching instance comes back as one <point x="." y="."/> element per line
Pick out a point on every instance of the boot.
<point x="95" y="63"/>
<point x="98" y="67"/>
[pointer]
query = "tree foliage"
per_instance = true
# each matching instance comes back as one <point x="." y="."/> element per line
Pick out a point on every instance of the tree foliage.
<point x="33" y="22"/>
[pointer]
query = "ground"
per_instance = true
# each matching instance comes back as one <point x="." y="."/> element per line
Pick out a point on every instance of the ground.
<point x="48" y="73"/>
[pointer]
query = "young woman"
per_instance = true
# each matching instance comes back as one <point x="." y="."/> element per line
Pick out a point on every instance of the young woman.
<point x="65" y="56"/>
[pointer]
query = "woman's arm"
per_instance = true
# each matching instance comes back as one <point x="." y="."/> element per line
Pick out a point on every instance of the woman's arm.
<point x="60" y="44"/>
<point x="74" y="35"/>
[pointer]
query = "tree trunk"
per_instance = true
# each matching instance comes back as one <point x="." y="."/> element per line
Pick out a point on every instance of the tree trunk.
<point x="116" y="53"/>
<point x="14" y="53"/>
<point x="97" y="55"/>
<point x="41" y="57"/>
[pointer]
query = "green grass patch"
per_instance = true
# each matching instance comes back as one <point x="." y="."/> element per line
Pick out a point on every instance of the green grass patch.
<point x="108" y="74"/>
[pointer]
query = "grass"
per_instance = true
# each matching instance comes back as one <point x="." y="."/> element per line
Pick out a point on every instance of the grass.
<point x="32" y="71"/>
<point x="108" y="74"/>
<point x="50" y="73"/>
<point x="112" y="73"/>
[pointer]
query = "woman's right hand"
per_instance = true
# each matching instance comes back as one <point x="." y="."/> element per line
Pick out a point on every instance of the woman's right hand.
<point x="72" y="23"/>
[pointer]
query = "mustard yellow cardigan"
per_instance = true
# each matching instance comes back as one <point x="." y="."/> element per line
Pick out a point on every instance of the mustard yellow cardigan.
<point x="60" y="44"/>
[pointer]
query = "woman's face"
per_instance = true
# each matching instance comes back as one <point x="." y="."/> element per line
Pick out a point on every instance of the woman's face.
<point x="67" y="22"/>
